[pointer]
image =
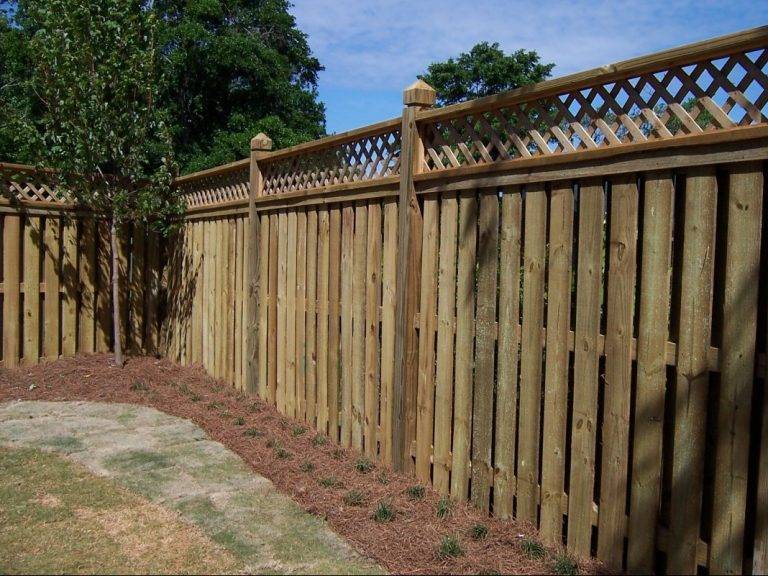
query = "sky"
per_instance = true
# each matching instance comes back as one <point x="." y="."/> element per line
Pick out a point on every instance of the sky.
<point x="372" y="50"/>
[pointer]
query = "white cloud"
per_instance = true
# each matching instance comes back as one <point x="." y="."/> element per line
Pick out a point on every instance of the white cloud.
<point x="384" y="45"/>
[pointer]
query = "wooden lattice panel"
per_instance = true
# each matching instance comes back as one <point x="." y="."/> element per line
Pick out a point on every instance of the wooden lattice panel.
<point x="217" y="188"/>
<point x="699" y="97"/>
<point x="28" y="185"/>
<point x="365" y="158"/>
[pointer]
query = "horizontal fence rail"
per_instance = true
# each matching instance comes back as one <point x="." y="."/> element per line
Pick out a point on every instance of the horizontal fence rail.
<point x="551" y="302"/>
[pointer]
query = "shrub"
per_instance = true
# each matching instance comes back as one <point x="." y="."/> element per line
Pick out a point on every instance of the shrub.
<point x="384" y="512"/>
<point x="478" y="531"/>
<point x="195" y="397"/>
<point x="415" y="492"/>
<point x="253" y="433"/>
<point x="363" y="465"/>
<point x="298" y="430"/>
<point x="307" y="466"/>
<point x="382" y="477"/>
<point x="319" y="440"/>
<point x="444" y="508"/>
<point x="564" y="566"/>
<point x="239" y="421"/>
<point x="449" y="548"/>
<point x="282" y="453"/>
<point x="338" y="454"/>
<point x="354" y="498"/>
<point x="533" y="548"/>
<point x="330" y="482"/>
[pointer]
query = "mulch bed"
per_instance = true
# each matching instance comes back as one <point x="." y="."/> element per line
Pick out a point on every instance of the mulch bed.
<point x="282" y="450"/>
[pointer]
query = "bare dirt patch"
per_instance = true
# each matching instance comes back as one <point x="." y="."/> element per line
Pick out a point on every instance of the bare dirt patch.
<point x="322" y="477"/>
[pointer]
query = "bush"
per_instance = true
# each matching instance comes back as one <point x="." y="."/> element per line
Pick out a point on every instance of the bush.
<point x="319" y="440"/>
<point x="363" y="465"/>
<point x="564" y="566"/>
<point x="239" y="421"/>
<point x="449" y="548"/>
<point x="533" y="548"/>
<point x="298" y="430"/>
<point x="384" y="512"/>
<point x="478" y="531"/>
<point x="330" y="482"/>
<point x="354" y="498"/>
<point x="307" y="466"/>
<point x="415" y="492"/>
<point x="444" y="508"/>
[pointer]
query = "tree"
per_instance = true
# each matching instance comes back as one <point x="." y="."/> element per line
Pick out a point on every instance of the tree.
<point x="233" y="68"/>
<point x="483" y="71"/>
<point x="97" y="76"/>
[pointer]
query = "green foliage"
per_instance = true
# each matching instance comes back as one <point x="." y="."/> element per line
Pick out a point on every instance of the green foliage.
<point x="253" y="433"/>
<point x="319" y="440"/>
<point x="478" y="531"/>
<point x="331" y="482"/>
<point x="354" y="498"/>
<point x="444" y="508"/>
<point x="233" y="68"/>
<point x="363" y="465"/>
<point x="415" y="492"/>
<point x="564" y="566"/>
<point x="483" y="71"/>
<point x="382" y="477"/>
<point x="298" y="430"/>
<point x="195" y="397"/>
<point x="282" y="453"/>
<point x="384" y="512"/>
<point x="307" y="466"/>
<point x="239" y="421"/>
<point x="533" y="548"/>
<point x="139" y="386"/>
<point x="450" y="547"/>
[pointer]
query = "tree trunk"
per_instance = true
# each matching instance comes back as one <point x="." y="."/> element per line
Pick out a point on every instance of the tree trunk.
<point x="116" y="295"/>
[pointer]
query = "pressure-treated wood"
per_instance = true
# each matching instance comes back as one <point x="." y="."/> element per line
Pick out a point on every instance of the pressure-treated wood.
<point x="586" y="365"/>
<point x="334" y="342"/>
<point x="692" y="383"/>
<point x="310" y="348"/>
<point x="301" y="302"/>
<point x="555" y="417"/>
<point x="69" y="286"/>
<point x="621" y="264"/>
<point x="32" y="243"/>
<point x="388" y="289"/>
<point x="465" y="320"/>
<point x="323" y="274"/>
<point x="52" y="279"/>
<point x="653" y="332"/>
<point x="742" y="267"/>
<point x="485" y="320"/>
<point x="272" y="316"/>
<point x="534" y="255"/>
<point x="372" y="300"/>
<point x="509" y="344"/>
<point x="290" y="316"/>
<point x="347" y="323"/>
<point x="265" y="235"/>
<point x="11" y="290"/>
<point x="360" y="246"/>
<point x="446" y="311"/>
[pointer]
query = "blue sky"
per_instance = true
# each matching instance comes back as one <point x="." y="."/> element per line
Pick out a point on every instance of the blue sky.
<point x="371" y="50"/>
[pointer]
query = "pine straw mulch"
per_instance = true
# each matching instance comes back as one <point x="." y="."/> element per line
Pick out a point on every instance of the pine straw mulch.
<point x="280" y="449"/>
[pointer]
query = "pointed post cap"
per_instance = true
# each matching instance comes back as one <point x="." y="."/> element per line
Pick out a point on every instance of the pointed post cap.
<point x="419" y="94"/>
<point x="261" y="143"/>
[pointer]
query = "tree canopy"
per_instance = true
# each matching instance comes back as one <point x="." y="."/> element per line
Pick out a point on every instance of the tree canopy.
<point x="233" y="68"/>
<point x="483" y="71"/>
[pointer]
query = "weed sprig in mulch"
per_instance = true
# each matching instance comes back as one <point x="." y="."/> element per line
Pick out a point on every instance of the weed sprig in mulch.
<point x="336" y="484"/>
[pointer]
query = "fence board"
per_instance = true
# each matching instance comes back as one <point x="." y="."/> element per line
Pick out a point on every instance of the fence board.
<point x="347" y="322"/>
<point x="87" y="265"/>
<point x="372" y="300"/>
<point x="485" y="336"/>
<point x="32" y="242"/>
<point x="11" y="290"/>
<point x="334" y="334"/>
<point x="323" y="273"/>
<point x="360" y="245"/>
<point x="51" y="277"/>
<point x="301" y="302"/>
<point x="311" y="326"/>
<point x="389" y="281"/>
<point x="69" y="281"/>
<point x="265" y="235"/>
<point x="272" y="316"/>
<point x="281" y="385"/>
<point x="509" y="344"/>
<point x="558" y="362"/>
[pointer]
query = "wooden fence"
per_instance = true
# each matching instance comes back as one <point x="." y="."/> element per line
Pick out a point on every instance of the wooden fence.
<point x="551" y="301"/>
<point x="56" y="267"/>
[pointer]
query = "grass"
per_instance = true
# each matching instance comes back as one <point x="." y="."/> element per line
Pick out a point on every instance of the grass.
<point x="363" y="465"/>
<point x="382" y="477"/>
<point x="254" y="407"/>
<point x="59" y="518"/>
<point x="354" y="498"/>
<point x="331" y="482"/>
<point x="449" y="548"/>
<point x="214" y="406"/>
<point x="195" y="397"/>
<point x="415" y="492"/>
<point x="564" y="566"/>
<point x="298" y="430"/>
<point x="384" y="512"/>
<point x="533" y="548"/>
<point x="139" y="386"/>
<point x="253" y="433"/>
<point x="319" y="440"/>
<point x="307" y="466"/>
<point x="338" y="454"/>
<point x="239" y="421"/>
<point x="478" y="531"/>
<point x="444" y="508"/>
<point x="282" y="453"/>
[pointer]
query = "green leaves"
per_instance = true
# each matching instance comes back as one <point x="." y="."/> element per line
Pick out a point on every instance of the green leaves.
<point x="483" y="71"/>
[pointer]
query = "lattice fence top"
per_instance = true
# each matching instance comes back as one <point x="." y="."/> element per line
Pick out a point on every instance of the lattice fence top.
<point x="701" y="96"/>
<point x="217" y="188"/>
<point x="358" y="159"/>
<point x="25" y="184"/>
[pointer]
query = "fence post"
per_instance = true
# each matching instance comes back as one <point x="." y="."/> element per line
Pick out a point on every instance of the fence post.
<point x="417" y="96"/>
<point x="259" y="145"/>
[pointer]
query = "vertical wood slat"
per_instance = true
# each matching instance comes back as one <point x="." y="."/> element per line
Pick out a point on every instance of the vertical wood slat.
<point x="534" y="255"/>
<point x="372" y="299"/>
<point x="11" y="290"/>
<point x="197" y="299"/>
<point x="323" y="254"/>
<point x="586" y="366"/>
<point x="32" y="243"/>
<point x="347" y="322"/>
<point x="465" y="315"/>
<point x="653" y="329"/>
<point x="558" y="362"/>
<point x="509" y="344"/>
<point x="334" y="342"/>
<point x="280" y="345"/>
<point x="360" y="246"/>
<point x="69" y="280"/>
<point x="153" y="290"/>
<point x="446" y="311"/>
<point x="742" y="271"/>
<point x="290" y="322"/>
<point x="139" y="281"/>
<point x="485" y="320"/>
<point x="272" y="316"/>
<point x="51" y="277"/>
<point x="426" y="383"/>
<point x="621" y="264"/>
<point x="265" y="233"/>
<point x="692" y="382"/>
<point x="388" y="290"/>
<point x="311" y="310"/>
<point x="87" y="285"/>
<point x="301" y="300"/>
